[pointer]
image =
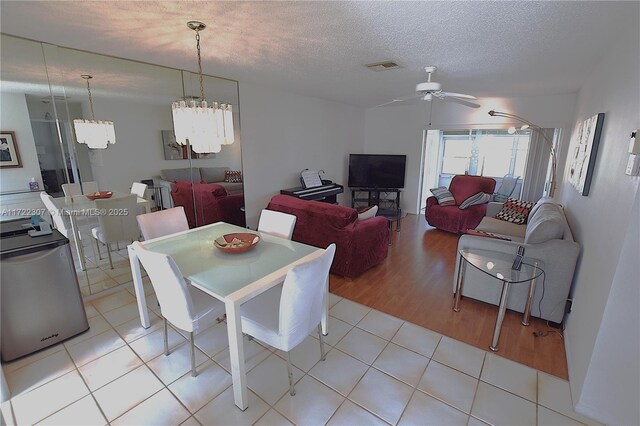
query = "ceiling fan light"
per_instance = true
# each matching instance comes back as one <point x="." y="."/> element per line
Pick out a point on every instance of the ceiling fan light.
<point x="524" y="127"/>
<point x="511" y="130"/>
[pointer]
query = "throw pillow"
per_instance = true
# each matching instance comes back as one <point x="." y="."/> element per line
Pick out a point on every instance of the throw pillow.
<point x="515" y="211"/>
<point x="479" y="198"/>
<point x="232" y="176"/>
<point x="444" y="197"/>
<point x="367" y="212"/>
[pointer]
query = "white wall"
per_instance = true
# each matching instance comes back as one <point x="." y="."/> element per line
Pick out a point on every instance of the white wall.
<point x="14" y="116"/>
<point x="600" y="223"/>
<point x="398" y="129"/>
<point x="611" y="390"/>
<point x="138" y="153"/>
<point x="284" y="133"/>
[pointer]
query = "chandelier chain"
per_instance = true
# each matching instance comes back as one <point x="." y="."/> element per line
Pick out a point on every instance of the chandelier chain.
<point x="93" y="115"/>
<point x="199" y="65"/>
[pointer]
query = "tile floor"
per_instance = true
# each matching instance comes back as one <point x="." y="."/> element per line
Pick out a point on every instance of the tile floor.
<point x="98" y="275"/>
<point x="379" y="370"/>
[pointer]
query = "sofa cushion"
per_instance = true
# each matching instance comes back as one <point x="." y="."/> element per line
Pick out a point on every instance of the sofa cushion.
<point x="212" y="174"/>
<point x="175" y="175"/>
<point x="515" y="211"/>
<point x="444" y="197"/>
<point x="547" y="224"/>
<point x="497" y="226"/>
<point x="479" y="198"/>
<point x="541" y="201"/>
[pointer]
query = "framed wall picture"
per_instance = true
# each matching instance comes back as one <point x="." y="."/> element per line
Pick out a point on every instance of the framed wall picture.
<point x="585" y="150"/>
<point x="175" y="151"/>
<point x="9" y="155"/>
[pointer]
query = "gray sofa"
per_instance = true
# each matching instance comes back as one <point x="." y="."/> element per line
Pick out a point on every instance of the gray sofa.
<point x="546" y="237"/>
<point x="199" y="174"/>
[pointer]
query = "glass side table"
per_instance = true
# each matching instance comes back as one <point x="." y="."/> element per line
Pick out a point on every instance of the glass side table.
<point x="498" y="265"/>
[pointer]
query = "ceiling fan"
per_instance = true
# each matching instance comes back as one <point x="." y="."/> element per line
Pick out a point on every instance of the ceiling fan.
<point x="432" y="89"/>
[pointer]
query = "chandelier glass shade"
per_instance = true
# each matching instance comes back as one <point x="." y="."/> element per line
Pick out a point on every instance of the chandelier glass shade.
<point x="205" y="127"/>
<point x="96" y="134"/>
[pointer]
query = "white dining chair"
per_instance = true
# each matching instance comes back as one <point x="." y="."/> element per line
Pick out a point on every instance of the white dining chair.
<point x="71" y="189"/>
<point x="89" y="187"/>
<point x="61" y="222"/>
<point x="163" y="222"/>
<point x="182" y="305"/>
<point x="139" y="189"/>
<point x="277" y="223"/>
<point x="284" y="315"/>
<point x="117" y="222"/>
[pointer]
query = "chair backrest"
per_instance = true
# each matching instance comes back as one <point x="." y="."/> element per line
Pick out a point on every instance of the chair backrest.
<point x="118" y="218"/>
<point x="163" y="222"/>
<point x="277" y="223"/>
<point x="302" y="298"/>
<point x="62" y="222"/>
<point x="507" y="186"/>
<point x="139" y="189"/>
<point x="89" y="187"/>
<point x="170" y="287"/>
<point x="71" y="189"/>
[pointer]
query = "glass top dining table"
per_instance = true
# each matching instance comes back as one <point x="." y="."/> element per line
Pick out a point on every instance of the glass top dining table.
<point x="231" y="278"/>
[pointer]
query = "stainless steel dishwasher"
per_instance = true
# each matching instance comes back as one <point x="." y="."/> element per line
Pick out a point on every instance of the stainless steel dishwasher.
<point x="39" y="294"/>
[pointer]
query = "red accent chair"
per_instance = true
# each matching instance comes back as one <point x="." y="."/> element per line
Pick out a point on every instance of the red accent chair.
<point x="213" y="204"/>
<point x="360" y="244"/>
<point x="452" y="218"/>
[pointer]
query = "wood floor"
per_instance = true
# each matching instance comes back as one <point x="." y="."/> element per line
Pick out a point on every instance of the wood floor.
<point x="415" y="284"/>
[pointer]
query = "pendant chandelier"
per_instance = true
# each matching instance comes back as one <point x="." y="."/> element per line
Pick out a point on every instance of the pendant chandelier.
<point x="205" y="127"/>
<point x="96" y="134"/>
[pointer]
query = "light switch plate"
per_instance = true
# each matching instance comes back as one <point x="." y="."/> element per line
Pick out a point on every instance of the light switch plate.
<point x="634" y="143"/>
<point x="633" y="165"/>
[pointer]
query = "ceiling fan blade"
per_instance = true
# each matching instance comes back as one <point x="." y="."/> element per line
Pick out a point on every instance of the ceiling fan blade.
<point x="402" y="99"/>
<point x="458" y="95"/>
<point x="461" y="101"/>
<point x="388" y="103"/>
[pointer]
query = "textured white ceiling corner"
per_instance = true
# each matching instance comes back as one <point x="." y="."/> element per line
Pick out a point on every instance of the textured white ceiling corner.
<point x="319" y="48"/>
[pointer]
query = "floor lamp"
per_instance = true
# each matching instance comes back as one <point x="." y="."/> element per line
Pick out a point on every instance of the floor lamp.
<point x="530" y="125"/>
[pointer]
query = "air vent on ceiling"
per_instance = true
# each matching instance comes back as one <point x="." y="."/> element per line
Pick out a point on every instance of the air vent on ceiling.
<point x="383" y="66"/>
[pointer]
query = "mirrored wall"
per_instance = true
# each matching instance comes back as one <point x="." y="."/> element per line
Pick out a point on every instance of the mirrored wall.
<point x="42" y="92"/>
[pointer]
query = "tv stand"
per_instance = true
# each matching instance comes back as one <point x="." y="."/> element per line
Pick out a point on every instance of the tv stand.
<point x="388" y="205"/>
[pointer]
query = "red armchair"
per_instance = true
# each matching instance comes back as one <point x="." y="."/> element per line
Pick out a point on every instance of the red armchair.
<point x="213" y="204"/>
<point x="452" y="218"/>
<point x="360" y="244"/>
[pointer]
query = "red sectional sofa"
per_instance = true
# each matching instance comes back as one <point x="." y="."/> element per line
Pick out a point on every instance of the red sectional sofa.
<point x="360" y="244"/>
<point x="213" y="204"/>
<point x="452" y="218"/>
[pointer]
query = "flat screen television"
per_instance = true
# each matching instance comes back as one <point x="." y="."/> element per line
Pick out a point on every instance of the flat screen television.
<point x="376" y="171"/>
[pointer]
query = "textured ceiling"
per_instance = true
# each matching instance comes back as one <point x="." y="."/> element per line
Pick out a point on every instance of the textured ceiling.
<point x="319" y="48"/>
